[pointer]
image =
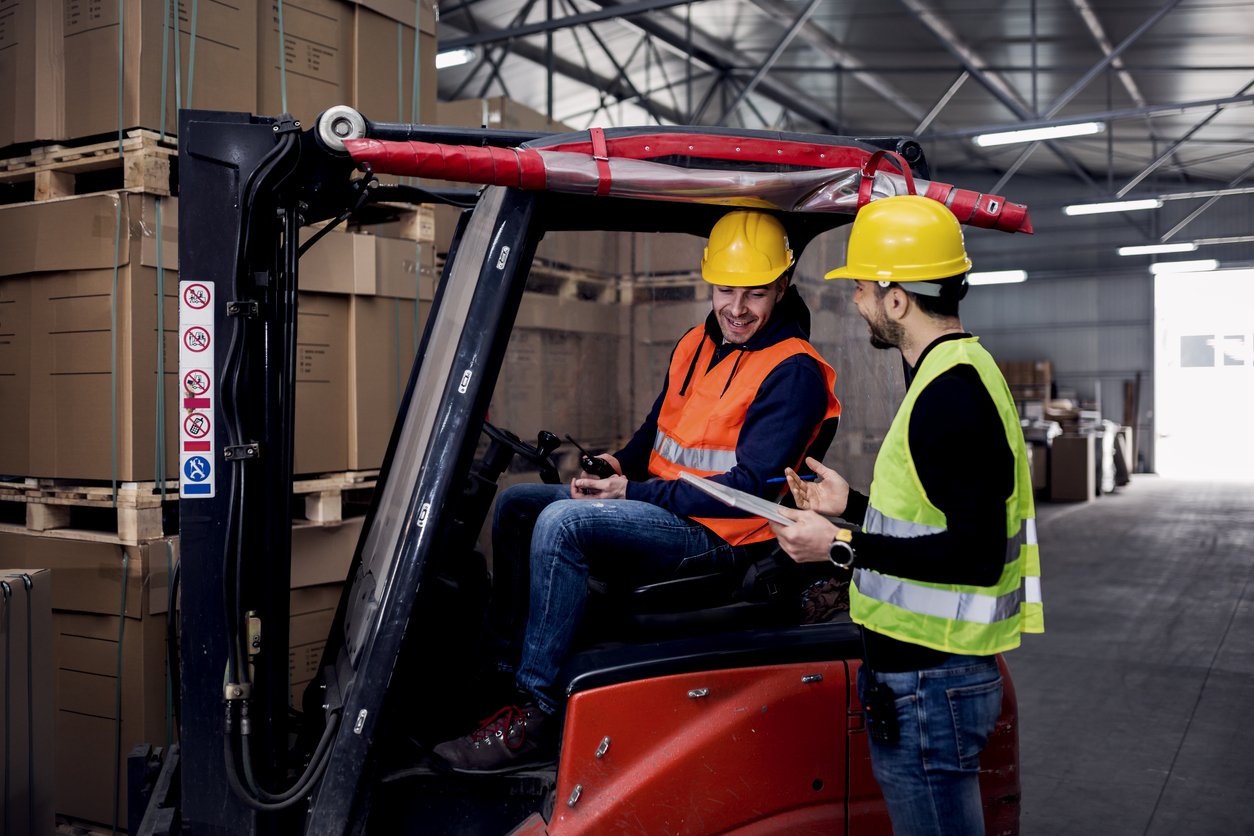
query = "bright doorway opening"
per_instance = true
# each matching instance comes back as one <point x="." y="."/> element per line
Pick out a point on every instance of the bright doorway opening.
<point x="1204" y="374"/>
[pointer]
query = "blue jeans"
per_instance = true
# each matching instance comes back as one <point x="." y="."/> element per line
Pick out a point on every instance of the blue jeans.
<point x="930" y="776"/>
<point x="620" y="541"/>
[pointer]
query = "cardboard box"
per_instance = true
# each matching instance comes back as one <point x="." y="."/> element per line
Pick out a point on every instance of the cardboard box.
<point x="312" y="610"/>
<point x="89" y="677"/>
<point x="383" y="341"/>
<point x="27" y="658"/>
<point x="60" y="261"/>
<point x="1072" y="472"/>
<point x="368" y="265"/>
<point x="339" y="52"/>
<point x="322" y="340"/>
<point x="321" y="554"/>
<point x="221" y="79"/>
<point x="15" y="375"/>
<point x="31" y="81"/>
<point x="87" y="575"/>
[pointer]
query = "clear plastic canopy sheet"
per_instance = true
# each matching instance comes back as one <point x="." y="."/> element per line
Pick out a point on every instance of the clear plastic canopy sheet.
<point x="799" y="190"/>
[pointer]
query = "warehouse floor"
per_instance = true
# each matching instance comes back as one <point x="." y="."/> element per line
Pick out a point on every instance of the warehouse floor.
<point x="1137" y="704"/>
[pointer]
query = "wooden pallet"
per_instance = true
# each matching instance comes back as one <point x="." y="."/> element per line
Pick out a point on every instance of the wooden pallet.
<point x="144" y="160"/>
<point x="325" y="495"/>
<point x="92" y="511"/>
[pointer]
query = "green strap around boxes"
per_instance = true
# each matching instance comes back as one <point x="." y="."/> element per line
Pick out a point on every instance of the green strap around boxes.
<point x="282" y="63"/>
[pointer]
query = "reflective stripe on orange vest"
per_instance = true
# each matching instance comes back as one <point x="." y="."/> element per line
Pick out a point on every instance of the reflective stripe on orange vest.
<point x="699" y="426"/>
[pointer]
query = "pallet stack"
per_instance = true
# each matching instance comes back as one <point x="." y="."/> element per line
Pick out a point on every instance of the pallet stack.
<point x="89" y="407"/>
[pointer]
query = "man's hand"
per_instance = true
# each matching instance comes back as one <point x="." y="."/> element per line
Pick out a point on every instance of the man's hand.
<point x="613" y="462"/>
<point x="615" y="487"/>
<point x="828" y="495"/>
<point x="808" y="539"/>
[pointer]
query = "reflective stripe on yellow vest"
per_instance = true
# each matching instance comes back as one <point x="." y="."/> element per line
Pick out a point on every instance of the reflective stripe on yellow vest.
<point x="953" y="618"/>
<point x="699" y="426"/>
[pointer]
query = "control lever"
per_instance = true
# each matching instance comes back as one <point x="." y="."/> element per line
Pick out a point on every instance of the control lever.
<point x="599" y="468"/>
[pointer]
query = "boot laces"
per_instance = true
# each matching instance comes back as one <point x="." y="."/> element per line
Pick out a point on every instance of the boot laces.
<point x="499" y="724"/>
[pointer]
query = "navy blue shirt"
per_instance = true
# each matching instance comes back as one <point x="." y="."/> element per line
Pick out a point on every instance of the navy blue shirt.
<point x="789" y="405"/>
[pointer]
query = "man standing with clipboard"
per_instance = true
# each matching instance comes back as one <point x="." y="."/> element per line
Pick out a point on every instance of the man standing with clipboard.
<point x="945" y="567"/>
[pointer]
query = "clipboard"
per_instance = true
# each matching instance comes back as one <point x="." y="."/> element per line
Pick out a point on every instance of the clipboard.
<point x="737" y="499"/>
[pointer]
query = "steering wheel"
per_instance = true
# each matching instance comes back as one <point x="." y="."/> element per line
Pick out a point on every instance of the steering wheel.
<point x="539" y="455"/>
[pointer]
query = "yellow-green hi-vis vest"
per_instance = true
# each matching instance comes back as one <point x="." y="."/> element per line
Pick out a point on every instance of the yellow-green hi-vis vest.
<point x="954" y="618"/>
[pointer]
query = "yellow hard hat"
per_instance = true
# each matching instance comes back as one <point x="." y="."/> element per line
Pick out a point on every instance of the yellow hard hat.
<point x="907" y="238"/>
<point x="746" y="249"/>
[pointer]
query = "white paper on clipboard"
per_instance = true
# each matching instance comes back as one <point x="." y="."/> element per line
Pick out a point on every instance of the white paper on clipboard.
<point x="738" y="499"/>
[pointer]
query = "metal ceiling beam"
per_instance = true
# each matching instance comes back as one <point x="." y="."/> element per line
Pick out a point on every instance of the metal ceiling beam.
<point x="706" y="50"/>
<point x="543" y="26"/>
<point x="1192" y="216"/>
<point x="1165" y="155"/>
<point x="1099" y="116"/>
<point x="992" y="82"/>
<point x="926" y="121"/>
<point x="821" y="40"/>
<point x="1112" y="55"/>
<point x="765" y="67"/>
<point x="1098" y="32"/>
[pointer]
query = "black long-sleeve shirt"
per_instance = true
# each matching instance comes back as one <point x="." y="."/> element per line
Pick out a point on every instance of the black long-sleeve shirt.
<point x="966" y="467"/>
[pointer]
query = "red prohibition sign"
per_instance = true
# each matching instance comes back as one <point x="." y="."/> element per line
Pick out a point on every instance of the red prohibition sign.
<point x="196" y="382"/>
<point x="197" y="296"/>
<point x="196" y="339"/>
<point x="196" y="425"/>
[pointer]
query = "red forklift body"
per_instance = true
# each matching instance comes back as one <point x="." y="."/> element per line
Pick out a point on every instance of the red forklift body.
<point x="730" y="720"/>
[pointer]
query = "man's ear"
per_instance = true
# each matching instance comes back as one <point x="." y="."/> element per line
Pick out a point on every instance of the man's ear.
<point x="897" y="302"/>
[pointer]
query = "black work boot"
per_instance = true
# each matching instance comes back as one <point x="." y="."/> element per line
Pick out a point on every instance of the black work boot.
<point x="511" y="739"/>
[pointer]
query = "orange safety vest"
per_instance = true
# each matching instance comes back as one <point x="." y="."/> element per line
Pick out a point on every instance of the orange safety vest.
<point x="697" y="429"/>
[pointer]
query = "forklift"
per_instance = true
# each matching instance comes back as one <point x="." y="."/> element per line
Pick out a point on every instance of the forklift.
<point x="700" y="708"/>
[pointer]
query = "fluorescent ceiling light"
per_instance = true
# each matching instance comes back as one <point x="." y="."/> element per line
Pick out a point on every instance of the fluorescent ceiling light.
<point x="1115" y="206"/>
<point x="454" y="58"/>
<point x="1038" y="134"/>
<point x="997" y="277"/>
<point x="1203" y="265"/>
<point x="1155" y="249"/>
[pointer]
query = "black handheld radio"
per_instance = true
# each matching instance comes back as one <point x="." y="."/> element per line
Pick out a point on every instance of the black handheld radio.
<point x="599" y="468"/>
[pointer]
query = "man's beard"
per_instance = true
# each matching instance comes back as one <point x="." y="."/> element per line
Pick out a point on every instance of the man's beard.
<point x="884" y="332"/>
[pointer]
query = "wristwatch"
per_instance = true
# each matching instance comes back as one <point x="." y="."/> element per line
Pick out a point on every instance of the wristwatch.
<point x="841" y="552"/>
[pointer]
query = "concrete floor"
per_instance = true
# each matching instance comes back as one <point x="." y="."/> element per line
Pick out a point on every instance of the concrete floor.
<point x="1137" y="704"/>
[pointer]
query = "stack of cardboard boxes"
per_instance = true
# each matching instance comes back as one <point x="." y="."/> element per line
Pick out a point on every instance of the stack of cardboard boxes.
<point x="88" y="323"/>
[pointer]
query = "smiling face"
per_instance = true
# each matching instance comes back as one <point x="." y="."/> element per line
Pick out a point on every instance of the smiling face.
<point x="742" y="311"/>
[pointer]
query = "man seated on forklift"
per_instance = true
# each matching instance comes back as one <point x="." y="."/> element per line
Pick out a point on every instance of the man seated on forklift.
<point x="746" y="395"/>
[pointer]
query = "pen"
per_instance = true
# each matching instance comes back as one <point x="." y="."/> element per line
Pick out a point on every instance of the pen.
<point x="777" y="479"/>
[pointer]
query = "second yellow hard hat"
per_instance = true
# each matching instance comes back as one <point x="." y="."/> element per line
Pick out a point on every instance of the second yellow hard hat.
<point x="907" y="238"/>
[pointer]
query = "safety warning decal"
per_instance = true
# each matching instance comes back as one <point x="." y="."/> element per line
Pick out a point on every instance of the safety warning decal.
<point x="198" y="395"/>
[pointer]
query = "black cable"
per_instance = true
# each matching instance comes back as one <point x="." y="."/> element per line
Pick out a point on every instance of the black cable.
<point x="30" y="702"/>
<point x="309" y="779"/>
<point x="362" y="198"/>
<point x="7" y="592"/>
<point x="460" y="198"/>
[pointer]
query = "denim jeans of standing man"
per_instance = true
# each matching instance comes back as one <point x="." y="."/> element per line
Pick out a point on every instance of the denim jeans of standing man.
<point x="561" y="541"/>
<point x="930" y="776"/>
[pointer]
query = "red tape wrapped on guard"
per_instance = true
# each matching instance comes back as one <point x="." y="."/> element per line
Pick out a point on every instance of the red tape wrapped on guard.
<point x="518" y="167"/>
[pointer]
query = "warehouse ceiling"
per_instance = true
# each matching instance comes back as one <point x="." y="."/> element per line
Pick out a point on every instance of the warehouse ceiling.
<point x="1171" y="83"/>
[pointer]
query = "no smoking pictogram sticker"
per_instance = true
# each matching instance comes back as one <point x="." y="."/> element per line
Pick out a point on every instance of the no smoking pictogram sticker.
<point x="196" y="338"/>
<point x="197" y="296"/>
